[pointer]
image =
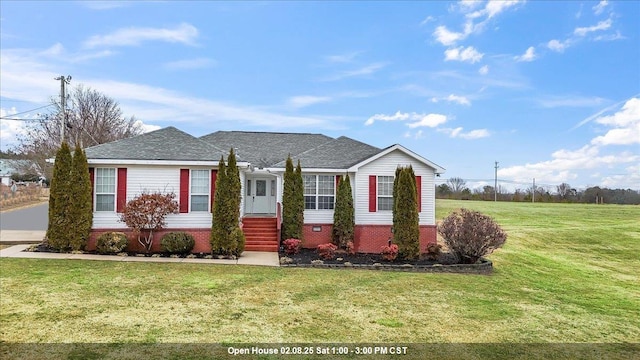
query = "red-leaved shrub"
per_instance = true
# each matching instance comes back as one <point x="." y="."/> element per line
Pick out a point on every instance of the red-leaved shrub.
<point x="291" y="246"/>
<point x="470" y="235"/>
<point x="390" y="252"/>
<point x="433" y="251"/>
<point x="327" y="251"/>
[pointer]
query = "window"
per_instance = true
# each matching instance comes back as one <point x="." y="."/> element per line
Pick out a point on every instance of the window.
<point x="319" y="192"/>
<point x="200" y="190"/>
<point x="385" y="193"/>
<point x="105" y="189"/>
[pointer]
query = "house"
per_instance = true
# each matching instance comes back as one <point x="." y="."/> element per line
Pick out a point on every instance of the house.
<point x="169" y="160"/>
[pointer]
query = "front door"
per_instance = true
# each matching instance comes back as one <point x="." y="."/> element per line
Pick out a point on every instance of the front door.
<point x="261" y="196"/>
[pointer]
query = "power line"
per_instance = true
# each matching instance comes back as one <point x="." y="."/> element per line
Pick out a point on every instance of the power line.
<point x="14" y="119"/>
<point x="28" y="111"/>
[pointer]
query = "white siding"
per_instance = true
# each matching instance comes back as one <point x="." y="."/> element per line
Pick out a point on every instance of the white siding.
<point x="386" y="166"/>
<point x="165" y="179"/>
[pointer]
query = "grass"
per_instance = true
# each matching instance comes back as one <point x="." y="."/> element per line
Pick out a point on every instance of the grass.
<point x="569" y="273"/>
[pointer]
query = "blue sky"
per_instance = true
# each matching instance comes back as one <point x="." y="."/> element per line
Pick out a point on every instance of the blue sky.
<point x="550" y="90"/>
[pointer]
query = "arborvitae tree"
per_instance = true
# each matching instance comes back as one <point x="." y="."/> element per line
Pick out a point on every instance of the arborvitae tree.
<point x="406" y="219"/>
<point x="226" y="236"/>
<point x="218" y="228"/>
<point x="60" y="197"/>
<point x="81" y="213"/>
<point x="289" y="210"/>
<point x="395" y="194"/>
<point x="344" y="214"/>
<point x="236" y="235"/>
<point x="299" y="201"/>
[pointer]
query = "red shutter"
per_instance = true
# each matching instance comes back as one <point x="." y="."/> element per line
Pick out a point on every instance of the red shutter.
<point x="92" y="177"/>
<point x="419" y="191"/>
<point x="372" y="194"/>
<point x="214" y="176"/>
<point x="121" y="197"/>
<point x="184" y="190"/>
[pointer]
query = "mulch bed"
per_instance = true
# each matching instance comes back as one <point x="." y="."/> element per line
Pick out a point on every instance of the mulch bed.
<point x="444" y="262"/>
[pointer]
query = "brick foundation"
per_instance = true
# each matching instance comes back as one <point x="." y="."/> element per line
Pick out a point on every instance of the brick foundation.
<point x="368" y="238"/>
<point x="201" y="238"/>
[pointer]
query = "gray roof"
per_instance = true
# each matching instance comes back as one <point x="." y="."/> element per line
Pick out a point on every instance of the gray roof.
<point x="340" y="153"/>
<point x="165" y="144"/>
<point x="264" y="149"/>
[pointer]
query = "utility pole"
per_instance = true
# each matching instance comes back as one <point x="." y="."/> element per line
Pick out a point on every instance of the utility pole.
<point x="533" y="192"/>
<point x="495" y="184"/>
<point x="63" y="103"/>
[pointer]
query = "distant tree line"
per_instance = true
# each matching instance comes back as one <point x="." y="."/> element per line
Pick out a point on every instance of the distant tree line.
<point x="455" y="188"/>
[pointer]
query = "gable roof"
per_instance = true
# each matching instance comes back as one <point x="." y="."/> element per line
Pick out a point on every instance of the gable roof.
<point x="437" y="168"/>
<point x="264" y="149"/>
<point x="340" y="153"/>
<point x="165" y="144"/>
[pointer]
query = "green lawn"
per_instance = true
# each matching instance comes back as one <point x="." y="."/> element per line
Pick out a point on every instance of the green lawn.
<point x="568" y="273"/>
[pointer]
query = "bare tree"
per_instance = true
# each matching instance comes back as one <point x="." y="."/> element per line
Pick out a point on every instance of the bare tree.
<point x="457" y="185"/>
<point x="92" y="118"/>
<point x="564" y="191"/>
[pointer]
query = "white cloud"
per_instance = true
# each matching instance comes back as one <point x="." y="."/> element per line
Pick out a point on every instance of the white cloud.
<point x="417" y="135"/>
<point x="470" y="135"/>
<point x="484" y="70"/>
<point x="602" y="25"/>
<point x="133" y="36"/>
<point x="362" y="71"/>
<point x="398" y="116"/>
<point x="187" y="64"/>
<point x="598" y="9"/>
<point x="147" y="127"/>
<point x="571" y="101"/>
<point x="427" y="20"/>
<point x="469" y="54"/>
<point x="446" y="37"/>
<point x="453" y="98"/>
<point x="429" y="120"/>
<point x="418" y="120"/>
<point x="468" y="5"/>
<point x="343" y="58"/>
<point x="495" y="7"/>
<point x="104" y="5"/>
<point x="565" y="164"/>
<point x="528" y="55"/>
<point x="557" y="45"/>
<point x="609" y="37"/>
<point x="625" y="123"/>
<point x="10" y="129"/>
<point x="306" y="100"/>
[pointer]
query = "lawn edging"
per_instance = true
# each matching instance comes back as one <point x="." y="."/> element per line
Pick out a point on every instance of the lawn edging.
<point x="483" y="267"/>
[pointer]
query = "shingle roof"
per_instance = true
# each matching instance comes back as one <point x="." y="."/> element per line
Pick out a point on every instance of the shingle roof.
<point x="165" y="144"/>
<point x="339" y="153"/>
<point x="264" y="149"/>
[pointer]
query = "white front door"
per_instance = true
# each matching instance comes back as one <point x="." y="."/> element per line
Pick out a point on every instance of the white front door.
<point x="260" y="195"/>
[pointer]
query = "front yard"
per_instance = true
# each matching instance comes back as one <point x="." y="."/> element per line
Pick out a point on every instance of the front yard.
<point x="567" y="274"/>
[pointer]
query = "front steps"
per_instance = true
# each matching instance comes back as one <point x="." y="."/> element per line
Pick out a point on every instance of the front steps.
<point x="261" y="234"/>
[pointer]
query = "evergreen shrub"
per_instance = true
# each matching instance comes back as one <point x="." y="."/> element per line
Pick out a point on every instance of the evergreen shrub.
<point x="112" y="243"/>
<point x="177" y="242"/>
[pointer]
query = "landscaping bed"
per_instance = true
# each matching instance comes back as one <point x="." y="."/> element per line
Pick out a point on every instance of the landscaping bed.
<point x="442" y="263"/>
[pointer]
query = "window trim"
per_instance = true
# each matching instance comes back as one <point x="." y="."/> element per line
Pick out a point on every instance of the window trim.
<point x="317" y="194"/>
<point x="207" y="193"/>
<point x="378" y="192"/>
<point x="114" y="193"/>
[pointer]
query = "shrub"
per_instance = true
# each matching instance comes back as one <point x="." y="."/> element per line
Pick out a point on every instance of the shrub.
<point x="343" y="214"/>
<point x="60" y="201"/>
<point x="177" y="243"/>
<point x="112" y="243"/>
<point x="433" y="251"/>
<point x="470" y="235"/>
<point x="291" y="246"/>
<point x="147" y="212"/>
<point x="389" y="252"/>
<point x="351" y="248"/>
<point x="226" y="237"/>
<point x="239" y="240"/>
<point x="405" y="214"/>
<point x="81" y="212"/>
<point x="327" y="251"/>
<point x="292" y="201"/>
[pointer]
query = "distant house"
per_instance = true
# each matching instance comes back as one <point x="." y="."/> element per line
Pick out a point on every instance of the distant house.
<point x="9" y="167"/>
<point x="169" y="160"/>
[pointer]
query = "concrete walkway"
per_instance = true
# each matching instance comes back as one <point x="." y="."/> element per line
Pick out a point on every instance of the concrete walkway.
<point x="247" y="258"/>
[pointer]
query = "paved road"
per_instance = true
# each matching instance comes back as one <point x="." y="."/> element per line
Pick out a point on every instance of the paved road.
<point x="31" y="218"/>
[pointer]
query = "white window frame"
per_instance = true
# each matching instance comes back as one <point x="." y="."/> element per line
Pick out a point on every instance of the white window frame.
<point x="206" y="193"/>
<point x="317" y="194"/>
<point x="98" y="175"/>
<point x="379" y="194"/>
